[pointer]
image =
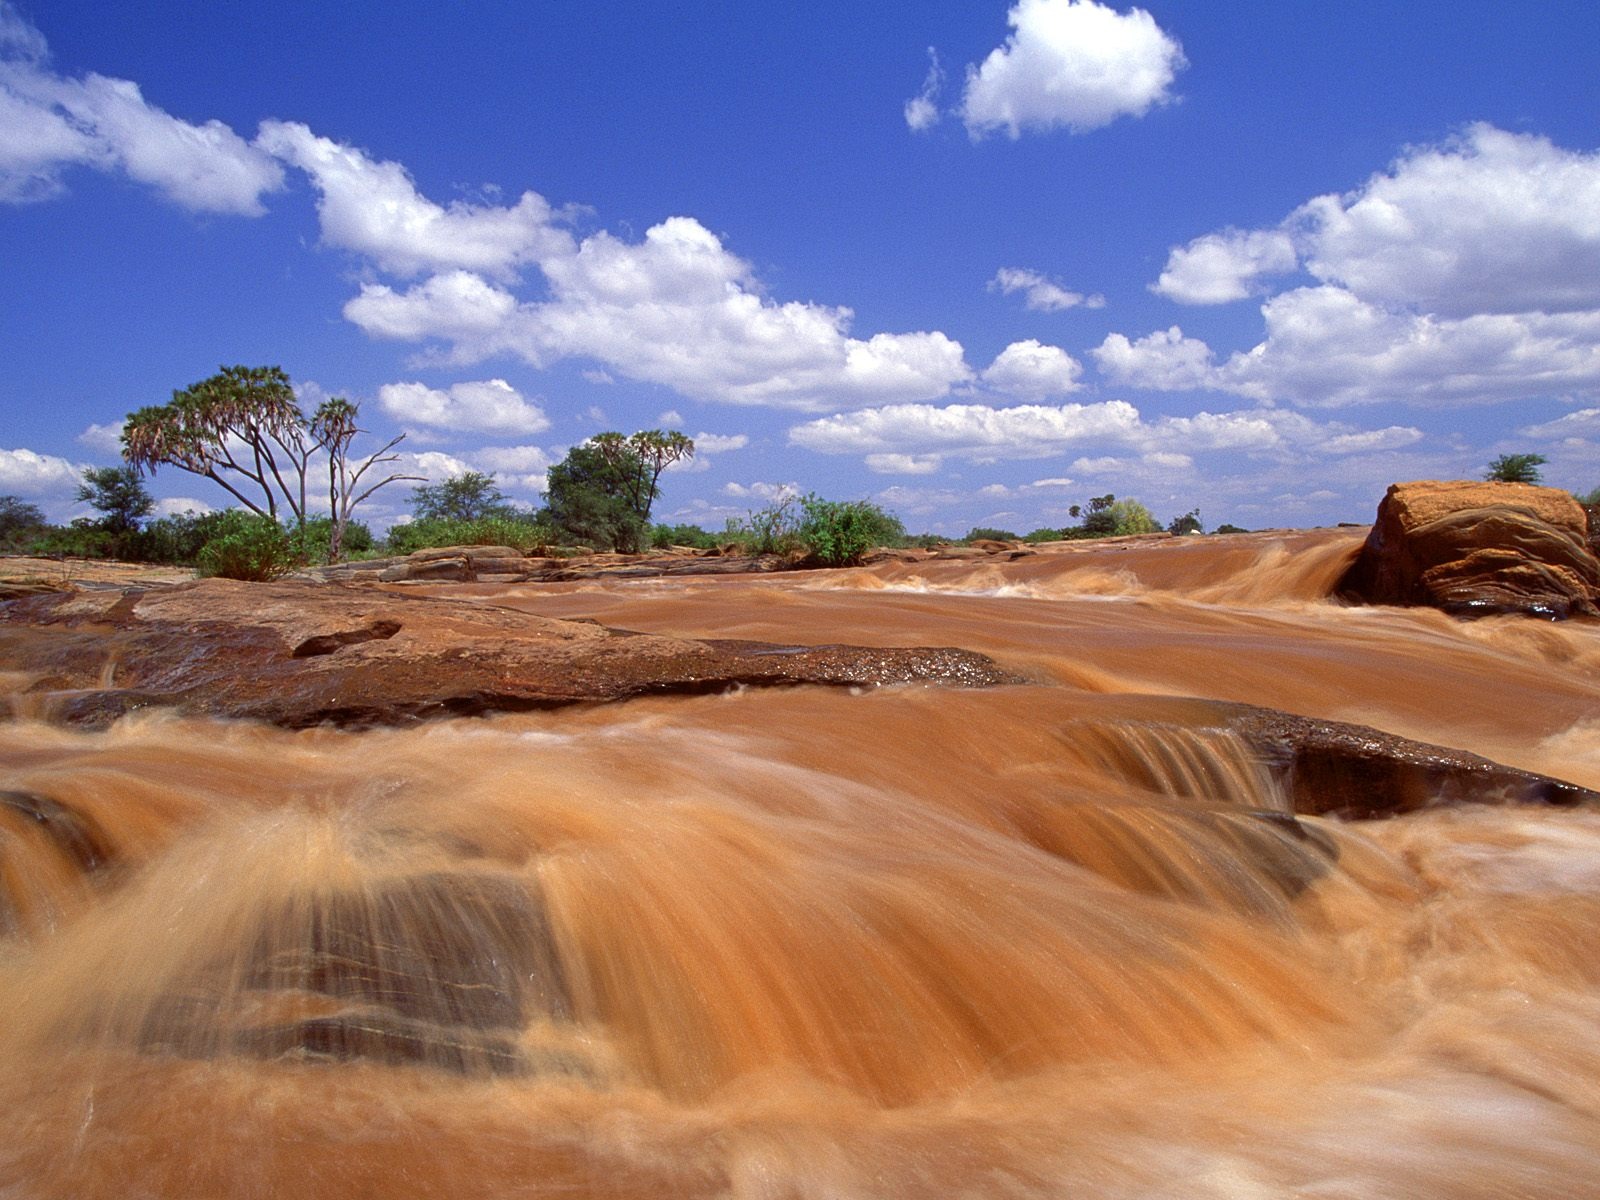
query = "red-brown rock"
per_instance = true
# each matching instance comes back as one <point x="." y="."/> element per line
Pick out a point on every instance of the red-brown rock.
<point x="299" y="653"/>
<point x="1476" y="549"/>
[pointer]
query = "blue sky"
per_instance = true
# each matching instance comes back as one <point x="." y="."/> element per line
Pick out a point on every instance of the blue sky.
<point x="976" y="261"/>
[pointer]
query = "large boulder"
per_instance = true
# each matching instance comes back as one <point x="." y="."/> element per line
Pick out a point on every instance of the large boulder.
<point x="1477" y="549"/>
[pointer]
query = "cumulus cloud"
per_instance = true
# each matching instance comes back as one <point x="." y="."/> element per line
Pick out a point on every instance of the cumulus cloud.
<point x="1584" y="424"/>
<point x="719" y="443"/>
<point x="49" y="123"/>
<point x="1040" y="293"/>
<point x="1162" y="361"/>
<point x="28" y="474"/>
<point x="760" y="491"/>
<point x="919" y="438"/>
<point x="433" y="465"/>
<point x="904" y="464"/>
<point x="178" y="506"/>
<point x="1221" y="267"/>
<point x="922" y="110"/>
<point x="488" y="404"/>
<point x="1070" y="63"/>
<point x="374" y="209"/>
<point x="1468" y="272"/>
<point x="515" y="460"/>
<point x="1033" y="371"/>
<point x="458" y="307"/>
<point x="676" y="309"/>
<point x="105" y="439"/>
<point x="971" y="430"/>
<point x="1488" y="222"/>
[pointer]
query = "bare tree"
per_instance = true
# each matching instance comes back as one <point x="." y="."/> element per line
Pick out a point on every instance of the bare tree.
<point x="334" y="427"/>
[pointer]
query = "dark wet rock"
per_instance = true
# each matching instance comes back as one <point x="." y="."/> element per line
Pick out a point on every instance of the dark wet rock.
<point x="76" y="835"/>
<point x="1331" y="767"/>
<point x="1478" y="549"/>
<point x="444" y="970"/>
<point x="386" y="1038"/>
<point x="300" y="654"/>
<point x="450" y="949"/>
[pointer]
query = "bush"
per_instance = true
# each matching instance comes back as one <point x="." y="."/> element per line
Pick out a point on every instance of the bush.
<point x="774" y="529"/>
<point x="1226" y="528"/>
<point x="663" y="536"/>
<point x="981" y="533"/>
<point x="526" y="534"/>
<point x="1044" y="535"/>
<point x="839" y="532"/>
<point x="247" y="546"/>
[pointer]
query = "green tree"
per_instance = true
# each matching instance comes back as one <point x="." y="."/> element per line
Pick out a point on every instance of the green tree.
<point x="18" y="521"/>
<point x="839" y="532"/>
<point x="638" y="461"/>
<point x="242" y="429"/>
<point x="118" y="494"/>
<point x="1100" y="521"/>
<point x="1516" y="468"/>
<point x="470" y="496"/>
<point x="1188" y="523"/>
<point x="591" y="498"/>
<point x="1132" y="517"/>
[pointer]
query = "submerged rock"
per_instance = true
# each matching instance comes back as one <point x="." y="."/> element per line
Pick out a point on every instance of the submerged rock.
<point x="1335" y="768"/>
<point x="1477" y="549"/>
<point x="299" y="654"/>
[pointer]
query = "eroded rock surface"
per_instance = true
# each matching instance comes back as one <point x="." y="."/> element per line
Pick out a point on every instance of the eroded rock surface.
<point x="1477" y="549"/>
<point x="1332" y="767"/>
<point x="299" y="654"/>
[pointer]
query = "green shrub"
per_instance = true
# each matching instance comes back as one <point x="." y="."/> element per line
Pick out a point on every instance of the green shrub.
<point x="247" y="546"/>
<point x="663" y="536"/>
<point x="1044" y="535"/>
<point x="774" y="529"/>
<point x="839" y="532"/>
<point x="525" y="534"/>
<point x="982" y="533"/>
<point x="1226" y="528"/>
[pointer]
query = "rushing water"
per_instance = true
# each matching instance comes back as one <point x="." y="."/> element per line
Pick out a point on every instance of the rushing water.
<point x="1037" y="941"/>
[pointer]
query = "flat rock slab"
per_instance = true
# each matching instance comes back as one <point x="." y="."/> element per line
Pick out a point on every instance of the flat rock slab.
<point x="299" y="654"/>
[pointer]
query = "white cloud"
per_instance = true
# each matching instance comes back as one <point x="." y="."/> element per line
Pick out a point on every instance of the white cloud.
<point x="1071" y="63"/>
<point x="177" y="506"/>
<point x="675" y="309"/>
<point x="1585" y="423"/>
<point x="760" y="491"/>
<point x="106" y="439"/>
<point x="49" y="123"/>
<point x="1032" y="371"/>
<point x="374" y="209"/>
<point x="489" y="404"/>
<point x="972" y="430"/>
<point x="672" y="417"/>
<point x="1040" y="293"/>
<point x="516" y="460"/>
<point x="434" y="465"/>
<point x="922" y="110"/>
<point x="1162" y="361"/>
<point x="904" y="464"/>
<point x="719" y="443"/>
<point x="1221" y="267"/>
<point x="1466" y="273"/>
<point x="1392" y="438"/>
<point x="27" y="474"/>
<point x="1489" y="222"/>
<point x="457" y="306"/>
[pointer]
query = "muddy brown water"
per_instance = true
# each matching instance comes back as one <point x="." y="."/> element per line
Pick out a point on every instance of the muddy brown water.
<point x="1038" y="941"/>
